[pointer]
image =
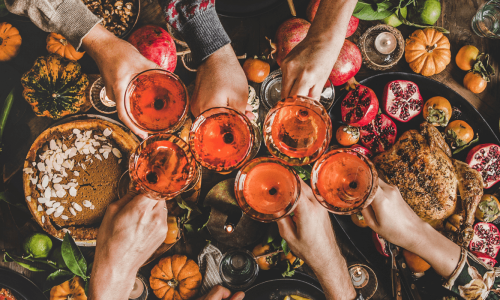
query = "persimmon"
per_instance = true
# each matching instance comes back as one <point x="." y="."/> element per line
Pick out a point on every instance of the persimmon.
<point x="466" y="57"/>
<point x="477" y="78"/>
<point x="475" y="82"/>
<point x="437" y="111"/>
<point x="256" y="70"/>
<point x="415" y="262"/>
<point x="294" y="261"/>
<point x="359" y="220"/>
<point x="458" y="133"/>
<point x="173" y="230"/>
<point x="488" y="208"/>
<point x="265" y="262"/>
<point x="347" y="135"/>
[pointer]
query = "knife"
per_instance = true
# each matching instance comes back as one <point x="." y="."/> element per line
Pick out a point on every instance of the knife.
<point x="395" y="276"/>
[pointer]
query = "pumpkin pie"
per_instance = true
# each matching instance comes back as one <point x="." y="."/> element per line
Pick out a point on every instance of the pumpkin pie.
<point x="71" y="174"/>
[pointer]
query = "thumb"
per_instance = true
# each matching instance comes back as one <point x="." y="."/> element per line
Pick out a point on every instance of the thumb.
<point x="238" y="296"/>
<point x="287" y="228"/>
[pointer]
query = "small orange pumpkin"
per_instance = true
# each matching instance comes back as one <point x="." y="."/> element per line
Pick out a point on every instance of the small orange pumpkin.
<point x="56" y="43"/>
<point x="71" y="289"/>
<point x="427" y="51"/>
<point x="10" y="41"/>
<point x="175" y="277"/>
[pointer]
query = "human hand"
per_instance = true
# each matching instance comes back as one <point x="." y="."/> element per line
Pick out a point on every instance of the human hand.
<point x="307" y="67"/>
<point x="221" y="82"/>
<point x="218" y="293"/>
<point x="118" y="62"/>
<point x="131" y="230"/>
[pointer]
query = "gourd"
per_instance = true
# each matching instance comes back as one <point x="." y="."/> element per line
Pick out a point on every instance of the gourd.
<point x="175" y="277"/>
<point x="10" y="41"/>
<point x="427" y="51"/>
<point x="55" y="87"/>
<point x="72" y="289"/>
<point x="58" y="44"/>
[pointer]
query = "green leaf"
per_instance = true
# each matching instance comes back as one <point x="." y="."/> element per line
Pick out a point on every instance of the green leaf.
<point x="9" y="198"/>
<point x="7" y="105"/>
<point x="87" y="287"/>
<point x="57" y="278"/>
<point x="3" y="9"/>
<point x="284" y="246"/>
<point x="289" y="272"/>
<point x="369" y="11"/>
<point x="73" y="257"/>
<point x="304" y="172"/>
<point x="271" y="235"/>
<point x="8" y="258"/>
<point x="406" y="22"/>
<point x="474" y="141"/>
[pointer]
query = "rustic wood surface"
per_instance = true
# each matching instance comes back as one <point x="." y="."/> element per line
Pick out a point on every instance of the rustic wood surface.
<point x="248" y="36"/>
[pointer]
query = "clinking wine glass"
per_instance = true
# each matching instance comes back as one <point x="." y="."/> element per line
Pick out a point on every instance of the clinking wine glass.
<point x="223" y="139"/>
<point x="344" y="181"/>
<point x="266" y="189"/>
<point x="297" y="130"/>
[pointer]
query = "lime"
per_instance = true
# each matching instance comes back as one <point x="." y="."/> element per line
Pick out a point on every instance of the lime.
<point x="426" y="12"/>
<point x="393" y="19"/>
<point x="38" y="245"/>
<point x="56" y="257"/>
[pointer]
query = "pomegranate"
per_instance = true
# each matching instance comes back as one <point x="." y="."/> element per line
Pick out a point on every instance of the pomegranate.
<point x="347" y="65"/>
<point x="155" y="44"/>
<point x="289" y="34"/>
<point x="402" y="100"/>
<point x="381" y="244"/>
<point x="485" y="258"/>
<point x="312" y="8"/>
<point x="486" y="239"/>
<point x="362" y="150"/>
<point x="485" y="158"/>
<point x="359" y="107"/>
<point x="379" y="134"/>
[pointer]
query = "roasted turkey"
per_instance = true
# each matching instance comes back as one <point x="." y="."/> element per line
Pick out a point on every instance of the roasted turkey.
<point x="420" y="165"/>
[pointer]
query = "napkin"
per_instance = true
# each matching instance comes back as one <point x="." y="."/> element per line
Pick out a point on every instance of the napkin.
<point x="209" y="260"/>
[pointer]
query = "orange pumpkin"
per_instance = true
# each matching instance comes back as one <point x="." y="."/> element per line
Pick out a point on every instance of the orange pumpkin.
<point x="58" y="44"/>
<point x="427" y="51"/>
<point x="10" y="41"/>
<point x="71" y="289"/>
<point x="175" y="277"/>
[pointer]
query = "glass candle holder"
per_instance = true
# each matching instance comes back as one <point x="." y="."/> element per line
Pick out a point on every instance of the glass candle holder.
<point x="157" y="101"/>
<point x="99" y="100"/>
<point x="297" y="130"/>
<point x="238" y="269"/>
<point x="266" y="189"/>
<point x="344" y="181"/>
<point x="223" y="139"/>
<point x="163" y="167"/>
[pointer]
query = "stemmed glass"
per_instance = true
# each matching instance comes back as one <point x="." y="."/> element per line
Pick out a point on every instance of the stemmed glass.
<point x="223" y="139"/>
<point x="266" y="189"/>
<point x="297" y="130"/>
<point x="344" y="181"/>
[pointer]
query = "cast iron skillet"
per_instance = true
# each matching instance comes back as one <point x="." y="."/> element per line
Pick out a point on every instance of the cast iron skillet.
<point x="277" y="289"/>
<point x="245" y="8"/>
<point x="20" y="286"/>
<point x="361" y="237"/>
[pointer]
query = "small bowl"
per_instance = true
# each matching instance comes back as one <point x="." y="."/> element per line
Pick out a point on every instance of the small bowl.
<point x="374" y="59"/>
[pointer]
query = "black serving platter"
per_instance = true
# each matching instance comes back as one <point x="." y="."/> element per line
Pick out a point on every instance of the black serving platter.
<point x="277" y="289"/>
<point x="361" y="237"/>
<point x="20" y="286"/>
<point x="245" y="8"/>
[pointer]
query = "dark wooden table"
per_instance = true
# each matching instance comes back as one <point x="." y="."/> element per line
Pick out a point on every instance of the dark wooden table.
<point x="248" y="36"/>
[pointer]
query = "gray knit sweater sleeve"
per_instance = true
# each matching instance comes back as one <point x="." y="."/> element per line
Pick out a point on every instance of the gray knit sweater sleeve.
<point x="71" y="18"/>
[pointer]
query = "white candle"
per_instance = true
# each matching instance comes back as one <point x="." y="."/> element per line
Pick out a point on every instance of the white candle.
<point x="385" y="43"/>
<point x="137" y="289"/>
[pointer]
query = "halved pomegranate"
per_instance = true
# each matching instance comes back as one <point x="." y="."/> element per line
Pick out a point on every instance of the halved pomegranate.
<point x="402" y="100"/>
<point x="485" y="158"/>
<point x="359" y="107"/>
<point x="362" y="150"/>
<point x="381" y="244"/>
<point x="485" y="258"/>
<point x="486" y="239"/>
<point x="379" y="134"/>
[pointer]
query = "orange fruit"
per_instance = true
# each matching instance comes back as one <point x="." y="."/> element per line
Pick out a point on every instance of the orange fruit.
<point x="415" y="262"/>
<point x="488" y="208"/>
<point x="347" y="135"/>
<point x="256" y="70"/>
<point x="291" y="259"/>
<point x="459" y="132"/>
<point x="437" y="111"/>
<point x="265" y="262"/>
<point x="173" y="230"/>
<point x="358" y="220"/>
<point x="466" y="57"/>
<point x="474" y="82"/>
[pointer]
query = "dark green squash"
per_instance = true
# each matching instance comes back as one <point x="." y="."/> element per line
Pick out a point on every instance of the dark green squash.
<point x="55" y="87"/>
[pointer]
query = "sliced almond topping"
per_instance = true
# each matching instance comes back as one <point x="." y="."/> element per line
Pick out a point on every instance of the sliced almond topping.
<point x="28" y="170"/>
<point x="34" y="180"/>
<point x="77" y="206"/>
<point x="42" y="200"/>
<point x="48" y="193"/>
<point x="56" y="205"/>
<point x="98" y="157"/>
<point x="45" y="181"/>
<point x="43" y="219"/>
<point x="49" y="203"/>
<point x="57" y="214"/>
<point x="40" y="208"/>
<point x="53" y="145"/>
<point x="64" y="148"/>
<point x="60" y="209"/>
<point x="117" y="153"/>
<point x="64" y="217"/>
<point x="56" y="180"/>
<point x="41" y="167"/>
<point x="72" y="191"/>
<point x="76" y="131"/>
<point x="106" y="154"/>
<point x="72" y="211"/>
<point x="107" y="132"/>
<point x="61" y="193"/>
<point x="87" y="203"/>
<point x="50" y="211"/>
<point x="92" y="207"/>
<point x="28" y="198"/>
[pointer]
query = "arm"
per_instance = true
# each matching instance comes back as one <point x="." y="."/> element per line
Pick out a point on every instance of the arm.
<point x="310" y="235"/>
<point x="465" y="274"/>
<point x="71" y="18"/>
<point x="132" y="229"/>
<point x="308" y="66"/>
